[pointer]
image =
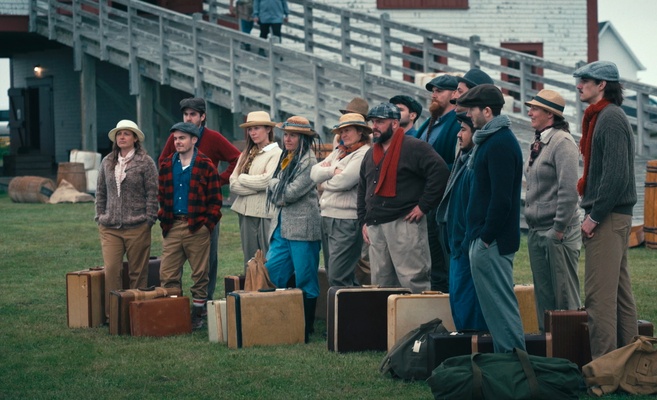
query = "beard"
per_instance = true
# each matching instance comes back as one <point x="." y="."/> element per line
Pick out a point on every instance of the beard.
<point x="384" y="137"/>
<point x="436" y="109"/>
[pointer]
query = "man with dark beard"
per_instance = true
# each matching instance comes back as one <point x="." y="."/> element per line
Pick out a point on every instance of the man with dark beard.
<point x="401" y="180"/>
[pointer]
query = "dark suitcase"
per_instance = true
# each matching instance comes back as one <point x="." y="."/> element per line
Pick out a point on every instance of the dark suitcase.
<point x="566" y="327"/>
<point x="164" y="316"/>
<point x="85" y="298"/>
<point x="646" y="328"/>
<point x="441" y="346"/>
<point x="233" y="283"/>
<point x="119" y="323"/>
<point x="357" y="318"/>
<point x="269" y="317"/>
<point x="153" y="273"/>
<point x="536" y="344"/>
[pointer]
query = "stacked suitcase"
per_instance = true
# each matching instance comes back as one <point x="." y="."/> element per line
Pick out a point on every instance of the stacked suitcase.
<point x="85" y="298"/>
<point x="163" y="316"/>
<point x="119" y="323"/>
<point x="217" y="322"/>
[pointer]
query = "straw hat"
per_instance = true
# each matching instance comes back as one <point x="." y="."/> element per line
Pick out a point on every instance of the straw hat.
<point x="351" y="119"/>
<point x="258" y="118"/>
<point x="357" y="105"/>
<point x="126" y="124"/>
<point x="297" y="124"/>
<point x="550" y="101"/>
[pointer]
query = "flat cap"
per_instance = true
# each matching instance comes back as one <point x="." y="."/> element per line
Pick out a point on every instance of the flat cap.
<point x="384" y="111"/>
<point x="475" y="77"/>
<point x="409" y="102"/>
<point x="485" y="95"/>
<point x="600" y="70"/>
<point x="463" y="117"/>
<point x="185" y="127"/>
<point x="195" y="103"/>
<point x="443" y="82"/>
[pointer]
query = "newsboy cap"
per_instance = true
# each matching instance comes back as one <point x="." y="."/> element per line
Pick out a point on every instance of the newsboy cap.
<point x="463" y="117"/>
<point x="485" y="95"/>
<point x="185" y="127"/>
<point x="600" y="70"/>
<point x="443" y="82"/>
<point x="408" y="101"/>
<point x="475" y="77"/>
<point x="384" y="111"/>
<point x="195" y="103"/>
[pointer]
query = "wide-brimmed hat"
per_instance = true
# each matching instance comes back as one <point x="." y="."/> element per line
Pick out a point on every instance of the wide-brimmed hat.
<point x="549" y="100"/>
<point x="352" y="119"/>
<point x="126" y="124"/>
<point x="195" y="103"/>
<point x="258" y="118"/>
<point x="185" y="127"/>
<point x="600" y="70"/>
<point x="297" y="124"/>
<point x="482" y="96"/>
<point x="357" y="105"/>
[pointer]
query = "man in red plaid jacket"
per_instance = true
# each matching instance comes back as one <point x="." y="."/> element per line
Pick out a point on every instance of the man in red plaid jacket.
<point x="190" y="207"/>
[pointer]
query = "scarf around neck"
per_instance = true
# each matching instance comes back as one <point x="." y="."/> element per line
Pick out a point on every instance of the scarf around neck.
<point x="387" y="186"/>
<point x="488" y="130"/>
<point x="588" y="126"/>
<point x="348" y="150"/>
<point x="119" y="169"/>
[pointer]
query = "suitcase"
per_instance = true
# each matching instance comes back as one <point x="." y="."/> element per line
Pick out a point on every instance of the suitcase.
<point x="408" y="311"/>
<point x="268" y="317"/>
<point x="85" y="298"/>
<point x="527" y="307"/>
<point x="566" y="329"/>
<point x="441" y="346"/>
<point x="536" y="344"/>
<point x="119" y="323"/>
<point x="320" y="309"/>
<point x="646" y="328"/>
<point x="357" y="318"/>
<point x="217" y="326"/>
<point x="233" y="283"/>
<point x="163" y="316"/>
<point x="153" y="273"/>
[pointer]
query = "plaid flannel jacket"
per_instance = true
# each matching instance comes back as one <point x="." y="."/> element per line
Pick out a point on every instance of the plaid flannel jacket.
<point x="204" y="202"/>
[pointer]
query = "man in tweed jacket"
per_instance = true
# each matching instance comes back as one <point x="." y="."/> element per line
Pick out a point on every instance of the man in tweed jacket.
<point x="190" y="207"/>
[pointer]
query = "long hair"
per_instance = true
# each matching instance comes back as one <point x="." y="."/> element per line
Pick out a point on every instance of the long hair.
<point x="560" y="123"/>
<point x="613" y="92"/>
<point x="250" y="145"/>
<point x="364" y="135"/>
<point x="116" y="151"/>
<point x="293" y="169"/>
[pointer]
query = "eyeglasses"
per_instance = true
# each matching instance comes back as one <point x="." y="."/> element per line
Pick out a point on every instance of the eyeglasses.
<point x="535" y="149"/>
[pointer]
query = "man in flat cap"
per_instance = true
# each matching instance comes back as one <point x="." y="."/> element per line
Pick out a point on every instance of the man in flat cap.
<point x="493" y="214"/>
<point x="401" y="180"/>
<point x="190" y="207"/>
<point x="608" y="192"/>
<point x="472" y="78"/>
<point x="410" y="110"/>
<point x="214" y="145"/>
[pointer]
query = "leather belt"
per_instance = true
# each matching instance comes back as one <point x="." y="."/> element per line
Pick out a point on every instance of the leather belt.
<point x="180" y="217"/>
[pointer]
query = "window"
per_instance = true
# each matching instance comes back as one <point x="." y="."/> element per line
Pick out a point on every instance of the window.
<point x="422" y="4"/>
<point x="534" y="49"/>
<point x="418" y="53"/>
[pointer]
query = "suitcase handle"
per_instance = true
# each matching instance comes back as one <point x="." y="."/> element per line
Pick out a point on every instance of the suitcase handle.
<point x="432" y="292"/>
<point x="147" y="289"/>
<point x="96" y="268"/>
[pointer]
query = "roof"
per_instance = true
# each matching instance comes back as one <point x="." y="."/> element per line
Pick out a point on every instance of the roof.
<point x="607" y="26"/>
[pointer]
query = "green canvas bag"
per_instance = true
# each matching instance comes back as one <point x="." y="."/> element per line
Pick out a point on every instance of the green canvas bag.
<point x="497" y="376"/>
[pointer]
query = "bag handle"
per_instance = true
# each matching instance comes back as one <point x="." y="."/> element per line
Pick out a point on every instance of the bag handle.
<point x="477" y="380"/>
<point x="523" y="357"/>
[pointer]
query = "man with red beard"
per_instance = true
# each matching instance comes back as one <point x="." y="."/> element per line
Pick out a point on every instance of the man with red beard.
<point x="401" y="180"/>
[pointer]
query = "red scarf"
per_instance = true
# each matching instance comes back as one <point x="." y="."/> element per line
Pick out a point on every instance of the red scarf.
<point x="348" y="150"/>
<point x="588" y="126"/>
<point x="387" y="186"/>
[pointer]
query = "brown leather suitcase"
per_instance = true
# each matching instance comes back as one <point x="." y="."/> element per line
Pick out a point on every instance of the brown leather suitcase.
<point x="163" y="316"/>
<point x="527" y="307"/>
<point x="566" y="328"/>
<point x="85" y="298"/>
<point x="269" y="317"/>
<point x="153" y="273"/>
<point x="408" y="311"/>
<point x="233" y="283"/>
<point x="119" y="322"/>
<point x="320" y="309"/>
<point x="358" y="318"/>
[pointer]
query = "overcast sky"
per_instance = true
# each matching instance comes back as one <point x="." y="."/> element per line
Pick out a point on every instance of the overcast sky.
<point x="633" y="19"/>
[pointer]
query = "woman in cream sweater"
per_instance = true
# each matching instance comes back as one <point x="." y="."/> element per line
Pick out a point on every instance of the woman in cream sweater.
<point x="250" y="179"/>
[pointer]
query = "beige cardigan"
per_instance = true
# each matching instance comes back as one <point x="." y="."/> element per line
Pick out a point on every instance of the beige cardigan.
<point x="251" y="188"/>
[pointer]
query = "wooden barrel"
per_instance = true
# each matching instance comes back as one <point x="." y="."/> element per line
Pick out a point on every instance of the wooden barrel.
<point x="73" y="172"/>
<point x="31" y="189"/>
<point x="650" y="206"/>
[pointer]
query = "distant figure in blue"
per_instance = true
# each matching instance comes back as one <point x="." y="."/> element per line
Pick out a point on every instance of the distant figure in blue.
<point x="270" y="15"/>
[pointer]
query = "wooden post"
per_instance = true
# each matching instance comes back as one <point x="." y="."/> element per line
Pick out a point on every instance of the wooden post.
<point x="344" y="38"/>
<point x="77" y="42"/>
<point x="198" y="79"/>
<point x="164" y="53"/>
<point x="308" y="26"/>
<point x="385" y="45"/>
<point x="88" y="105"/>
<point x="641" y="100"/>
<point x="102" y="37"/>
<point x="133" y="66"/>
<point x="146" y="113"/>
<point x="474" y="51"/>
<point x="235" y="102"/>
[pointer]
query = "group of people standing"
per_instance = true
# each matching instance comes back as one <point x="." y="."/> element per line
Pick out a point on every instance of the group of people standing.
<point x="435" y="208"/>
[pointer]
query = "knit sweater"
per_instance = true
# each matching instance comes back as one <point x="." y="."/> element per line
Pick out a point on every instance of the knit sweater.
<point x="340" y="192"/>
<point x="610" y="186"/>
<point x="138" y="201"/>
<point x="421" y="178"/>
<point x="251" y="187"/>
<point x="298" y="208"/>
<point x="214" y="146"/>
<point x="551" y="196"/>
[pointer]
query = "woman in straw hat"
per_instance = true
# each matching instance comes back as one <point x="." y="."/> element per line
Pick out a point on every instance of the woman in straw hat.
<point x="250" y="179"/>
<point x="126" y="207"/>
<point x="338" y="177"/>
<point x="295" y="232"/>
<point x="554" y="238"/>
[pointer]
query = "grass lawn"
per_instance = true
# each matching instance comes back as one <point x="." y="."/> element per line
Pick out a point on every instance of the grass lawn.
<point x="43" y="359"/>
